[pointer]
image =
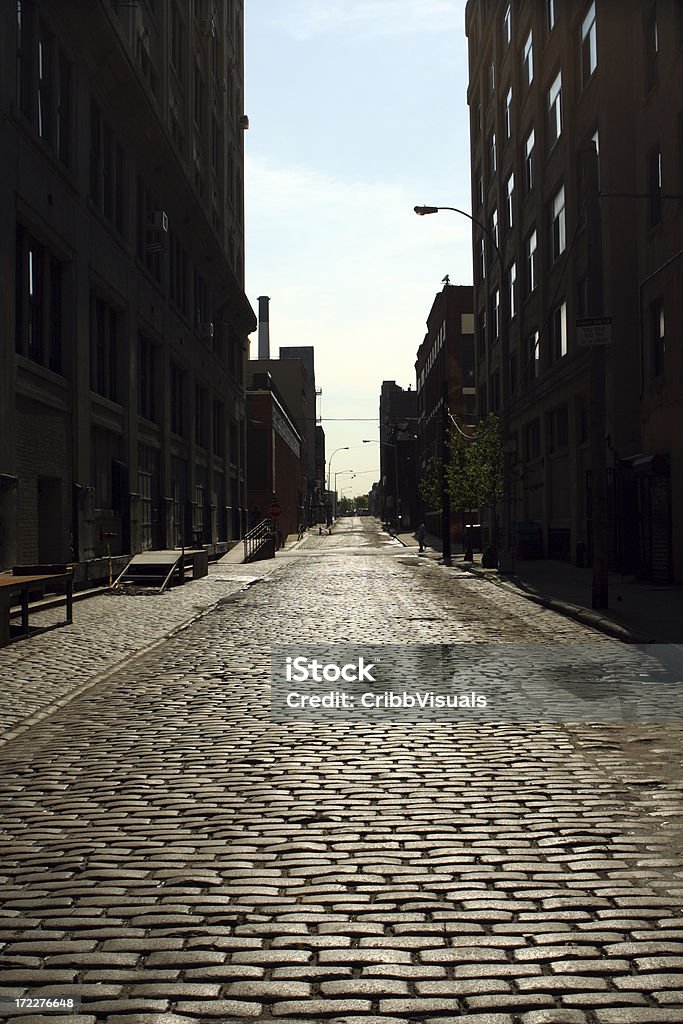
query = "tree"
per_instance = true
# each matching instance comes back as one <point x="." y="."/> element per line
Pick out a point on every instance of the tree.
<point x="474" y="474"/>
<point x="462" y="480"/>
<point x="487" y="468"/>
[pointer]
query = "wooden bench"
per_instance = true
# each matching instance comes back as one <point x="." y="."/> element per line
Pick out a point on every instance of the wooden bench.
<point x="15" y="586"/>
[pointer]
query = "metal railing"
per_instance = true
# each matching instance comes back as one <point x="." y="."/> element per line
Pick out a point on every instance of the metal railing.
<point x="259" y="542"/>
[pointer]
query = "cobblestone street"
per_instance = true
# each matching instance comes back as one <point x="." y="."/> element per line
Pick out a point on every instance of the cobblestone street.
<point x="171" y="854"/>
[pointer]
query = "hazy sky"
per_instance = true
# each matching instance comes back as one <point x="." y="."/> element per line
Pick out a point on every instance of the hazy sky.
<point x="357" y="113"/>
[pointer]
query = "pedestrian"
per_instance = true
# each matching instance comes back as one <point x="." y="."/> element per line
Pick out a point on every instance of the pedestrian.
<point x="256" y="516"/>
<point x="421" y="534"/>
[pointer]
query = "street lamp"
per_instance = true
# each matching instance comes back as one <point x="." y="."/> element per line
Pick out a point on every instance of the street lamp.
<point x="505" y="563"/>
<point x="344" y="448"/>
<point x="388" y="444"/>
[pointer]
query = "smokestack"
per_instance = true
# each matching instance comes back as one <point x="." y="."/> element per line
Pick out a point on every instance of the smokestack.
<point x="263" y="327"/>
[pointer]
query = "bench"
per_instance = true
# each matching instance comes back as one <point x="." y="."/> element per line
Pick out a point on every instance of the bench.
<point x="19" y="586"/>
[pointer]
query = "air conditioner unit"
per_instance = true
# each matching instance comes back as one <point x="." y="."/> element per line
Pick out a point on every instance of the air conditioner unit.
<point x="207" y="28"/>
<point x="157" y="220"/>
<point x="243" y="122"/>
<point x="206" y="331"/>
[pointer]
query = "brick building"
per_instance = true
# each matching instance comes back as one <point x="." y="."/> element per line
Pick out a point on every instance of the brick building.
<point x="444" y="370"/>
<point x="124" y="321"/>
<point x="397" y="434"/>
<point x="547" y="79"/>
<point x="274" y="454"/>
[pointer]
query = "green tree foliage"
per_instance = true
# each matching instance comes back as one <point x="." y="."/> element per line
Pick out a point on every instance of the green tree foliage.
<point x="474" y="471"/>
<point x="429" y="487"/>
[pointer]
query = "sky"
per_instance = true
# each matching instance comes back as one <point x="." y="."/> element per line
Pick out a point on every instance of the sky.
<point x="357" y="113"/>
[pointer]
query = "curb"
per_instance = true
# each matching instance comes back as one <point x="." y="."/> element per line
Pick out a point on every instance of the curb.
<point x="586" y="616"/>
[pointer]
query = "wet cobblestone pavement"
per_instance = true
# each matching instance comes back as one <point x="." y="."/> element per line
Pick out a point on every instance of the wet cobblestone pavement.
<point x="171" y="855"/>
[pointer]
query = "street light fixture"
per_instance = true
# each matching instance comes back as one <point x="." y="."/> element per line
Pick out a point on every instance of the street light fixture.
<point x="505" y="562"/>
<point x="344" y="448"/>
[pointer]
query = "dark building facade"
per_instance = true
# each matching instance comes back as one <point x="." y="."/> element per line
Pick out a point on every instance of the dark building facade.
<point x="444" y="371"/>
<point x="547" y="80"/>
<point x="274" y="455"/>
<point x="124" y="321"/>
<point x="397" y="436"/>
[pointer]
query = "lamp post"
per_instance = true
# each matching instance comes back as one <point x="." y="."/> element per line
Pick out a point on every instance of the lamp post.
<point x="340" y="472"/>
<point x="343" y="448"/>
<point x="505" y="562"/>
<point x="388" y="444"/>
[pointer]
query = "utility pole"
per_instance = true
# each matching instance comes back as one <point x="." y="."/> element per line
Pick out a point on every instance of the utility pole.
<point x="445" y="498"/>
<point x="598" y="422"/>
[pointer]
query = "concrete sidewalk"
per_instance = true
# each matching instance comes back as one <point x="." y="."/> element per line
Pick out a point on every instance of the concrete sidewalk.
<point x="639" y="611"/>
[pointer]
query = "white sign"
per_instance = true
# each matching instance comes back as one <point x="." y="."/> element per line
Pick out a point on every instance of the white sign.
<point x="594" y="330"/>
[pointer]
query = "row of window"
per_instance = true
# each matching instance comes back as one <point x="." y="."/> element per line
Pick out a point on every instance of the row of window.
<point x="39" y="328"/>
<point x="44" y="86"/>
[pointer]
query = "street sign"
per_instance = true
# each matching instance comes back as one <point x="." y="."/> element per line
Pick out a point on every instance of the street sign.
<point x="275" y="510"/>
<point x="594" y="330"/>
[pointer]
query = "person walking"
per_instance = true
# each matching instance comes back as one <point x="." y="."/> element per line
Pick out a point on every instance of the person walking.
<point x="421" y="534"/>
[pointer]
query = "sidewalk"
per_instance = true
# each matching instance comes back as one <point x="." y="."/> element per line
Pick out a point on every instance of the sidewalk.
<point x="639" y="611"/>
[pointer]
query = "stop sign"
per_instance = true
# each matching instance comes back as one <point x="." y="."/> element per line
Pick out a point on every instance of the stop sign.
<point x="275" y="509"/>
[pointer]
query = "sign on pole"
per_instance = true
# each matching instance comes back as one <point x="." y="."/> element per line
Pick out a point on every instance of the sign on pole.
<point x="275" y="510"/>
<point x="594" y="330"/>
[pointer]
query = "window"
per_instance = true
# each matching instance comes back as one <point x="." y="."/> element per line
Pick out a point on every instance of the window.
<point x="200" y="408"/>
<point x="177" y="400"/>
<point x="555" y="111"/>
<point x="658" y="337"/>
<point x="147" y="383"/>
<point x="494" y="230"/>
<point x="38" y="302"/>
<point x="150" y="242"/>
<point x="492" y="78"/>
<point x="177" y="41"/>
<point x="589" y="48"/>
<point x="557" y="429"/>
<point x="494" y="391"/>
<point x="201" y="299"/>
<point x="651" y="34"/>
<point x="511" y="281"/>
<point x="533" y="356"/>
<point x="512" y="374"/>
<point x="481" y="259"/>
<point x="507" y="116"/>
<point x="492" y="155"/>
<point x="145" y="63"/>
<point x="63" y="140"/>
<point x="531" y="264"/>
<point x="177" y="279"/>
<point x="654" y="184"/>
<point x="509" y="195"/>
<point x="558" y="234"/>
<point x="218" y="429"/>
<point x="199" y="89"/>
<point x="529" y="59"/>
<point x="495" y="316"/>
<point x="530" y="160"/>
<point x="551" y="13"/>
<point x="44" y="84"/>
<point x="559" y="331"/>
<point x="582" y="296"/>
<point x="533" y="439"/>
<point x="107" y="170"/>
<point x="507" y="26"/>
<point x="104" y="343"/>
<point x="25" y="57"/>
<point x="481" y="332"/>
<point x="479" y="188"/>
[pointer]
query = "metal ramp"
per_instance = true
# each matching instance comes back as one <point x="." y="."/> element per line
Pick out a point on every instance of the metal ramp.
<point x="160" y="569"/>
